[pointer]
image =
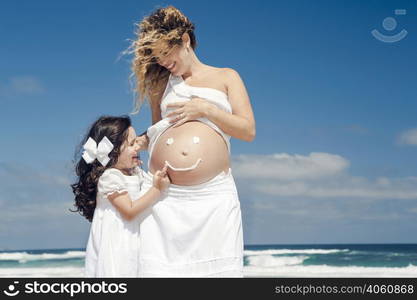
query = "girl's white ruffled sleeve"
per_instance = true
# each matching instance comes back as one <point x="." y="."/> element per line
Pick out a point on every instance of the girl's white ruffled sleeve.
<point x="112" y="181"/>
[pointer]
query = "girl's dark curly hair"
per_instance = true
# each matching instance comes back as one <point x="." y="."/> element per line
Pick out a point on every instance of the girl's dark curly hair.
<point x="85" y="189"/>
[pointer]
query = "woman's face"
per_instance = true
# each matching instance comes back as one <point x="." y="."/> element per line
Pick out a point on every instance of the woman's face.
<point x="176" y="60"/>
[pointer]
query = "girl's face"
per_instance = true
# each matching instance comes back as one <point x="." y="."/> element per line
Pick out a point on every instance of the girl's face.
<point x="128" y="157"/>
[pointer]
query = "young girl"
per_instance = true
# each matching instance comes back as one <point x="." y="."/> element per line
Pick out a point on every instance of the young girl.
<point x="107" y="194"/>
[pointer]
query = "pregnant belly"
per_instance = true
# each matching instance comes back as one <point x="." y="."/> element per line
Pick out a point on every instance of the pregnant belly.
<point x="194" y="151"/>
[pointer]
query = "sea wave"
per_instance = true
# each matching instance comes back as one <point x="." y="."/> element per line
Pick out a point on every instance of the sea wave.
<point x="253" y="270"/>
<point x="23" y="257"/>
<point x="268" y="261"/>
<point x="249" y="271"/>
<point x="379" y="253"/>
<point x="42" y="272"/>
<point x="292" y="251"/>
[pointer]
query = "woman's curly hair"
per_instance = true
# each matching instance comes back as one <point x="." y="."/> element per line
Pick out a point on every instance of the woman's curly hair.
<point x="157" y="34"/>
<point x="85" y="188"/>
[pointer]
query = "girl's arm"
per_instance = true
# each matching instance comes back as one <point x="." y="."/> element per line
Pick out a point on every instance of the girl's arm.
<point x="240" y="124"/>
<point x="130" y="209"/>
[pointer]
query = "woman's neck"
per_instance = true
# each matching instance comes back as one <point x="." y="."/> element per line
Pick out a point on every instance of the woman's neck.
<point x="196" y="67"/>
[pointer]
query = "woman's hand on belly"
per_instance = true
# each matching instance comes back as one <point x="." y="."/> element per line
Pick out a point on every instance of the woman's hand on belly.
<point x="189" y="110"/>
<point x="195" y="146"/>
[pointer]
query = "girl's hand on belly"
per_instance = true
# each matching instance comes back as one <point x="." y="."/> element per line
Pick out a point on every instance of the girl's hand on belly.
<point x="160" y="179"/>
<point x="189" y="110"/>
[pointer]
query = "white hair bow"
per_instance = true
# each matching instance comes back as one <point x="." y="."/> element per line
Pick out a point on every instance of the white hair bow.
<point x="100" y="152"/>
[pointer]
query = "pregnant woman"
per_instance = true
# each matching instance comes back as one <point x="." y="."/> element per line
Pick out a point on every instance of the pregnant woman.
<point x="195" y="230"/>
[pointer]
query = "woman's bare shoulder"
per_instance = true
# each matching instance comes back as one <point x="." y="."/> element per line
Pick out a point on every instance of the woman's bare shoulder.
<point x="232" y="80"/>
<point x="225" y="78"/>
<point x="225" y="71"/>
<point x="229" y="73"/>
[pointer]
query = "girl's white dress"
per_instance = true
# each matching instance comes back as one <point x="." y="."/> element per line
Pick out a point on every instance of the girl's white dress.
<point x="112" y="248"/>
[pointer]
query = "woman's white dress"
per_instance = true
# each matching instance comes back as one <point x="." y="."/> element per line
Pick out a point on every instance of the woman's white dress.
<point x="112" y="248"/>
<point x="192" y="231"/>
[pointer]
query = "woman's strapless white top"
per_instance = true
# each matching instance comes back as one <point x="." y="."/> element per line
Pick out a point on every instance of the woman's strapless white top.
<point x="192" y="231"/>
<point x="177" y="90"/>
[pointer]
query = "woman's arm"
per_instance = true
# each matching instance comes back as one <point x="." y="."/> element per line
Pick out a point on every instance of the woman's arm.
<point x="155" y="105"/>
<point x="240" y="124"/>
<point x="156" y="111"/>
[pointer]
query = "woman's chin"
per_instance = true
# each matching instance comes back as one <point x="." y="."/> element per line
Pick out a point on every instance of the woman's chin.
<point x="174" y="71"/>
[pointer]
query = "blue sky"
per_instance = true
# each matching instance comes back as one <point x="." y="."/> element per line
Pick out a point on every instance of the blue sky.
<point x="334" y="159"/>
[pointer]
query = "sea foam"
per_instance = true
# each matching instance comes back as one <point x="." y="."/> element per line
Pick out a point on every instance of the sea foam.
<point x="23" y="257"/>
<point x="42" y="272"/>
<point x="292" y="251"/>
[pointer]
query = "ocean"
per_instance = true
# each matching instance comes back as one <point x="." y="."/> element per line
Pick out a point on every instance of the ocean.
<point x="339" y="260"/>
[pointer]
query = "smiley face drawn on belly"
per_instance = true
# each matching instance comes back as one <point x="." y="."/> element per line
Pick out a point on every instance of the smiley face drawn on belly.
<point x="170" y="141"/>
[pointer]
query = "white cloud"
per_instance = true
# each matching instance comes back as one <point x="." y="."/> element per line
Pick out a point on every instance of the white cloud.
<point x="22" y="85"/>
<point x="357" y="129"/>
<point x="301" y="193"/>
<point x="347" y="189"/>
<point x="34" y="208"/>
<point x="30" y="194"/>
<point x="318" y="175"/>
<point x="35" y="211"/>
<point x="284" y="166"/>
<point x="413" y="210"/>
<point x="26" y="85"/>
<point x="408" y="137"/>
